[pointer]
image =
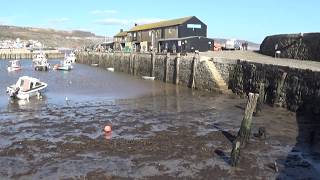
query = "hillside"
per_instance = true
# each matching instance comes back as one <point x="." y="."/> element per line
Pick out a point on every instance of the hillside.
<point x="50" y="37"/>
<point x="251" y="45"/>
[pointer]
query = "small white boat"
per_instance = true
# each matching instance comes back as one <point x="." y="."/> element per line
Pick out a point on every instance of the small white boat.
<point x="148" y="78"/>
<point x="65" y="65"/>
<point x="72" y="57"/>
<point x="40" y="62"/>
<point x="15" y="66"/>
<point x="95" y="65"/>
<point x="26" y="87"/>
<point x="110" y="69"/>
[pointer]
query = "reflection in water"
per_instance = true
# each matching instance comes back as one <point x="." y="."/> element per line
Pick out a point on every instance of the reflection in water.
<point x="83" y="83"/>
<point x="33" y="104"/>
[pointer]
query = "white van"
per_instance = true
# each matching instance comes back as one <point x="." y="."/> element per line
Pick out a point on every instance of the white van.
<point x="231" y="44"/>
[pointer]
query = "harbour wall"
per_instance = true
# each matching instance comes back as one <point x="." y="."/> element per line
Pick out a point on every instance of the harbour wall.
<point x="297" y="90"/>
<point x="295" y="46"/>
<point x="191" y="71"/>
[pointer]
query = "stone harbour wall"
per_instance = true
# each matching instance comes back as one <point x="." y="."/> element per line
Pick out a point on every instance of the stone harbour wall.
<point x="291" y="88"/>
<point x="295" y="46"/>
<point x="299" y="92"/>
<point x="164" y="69"/>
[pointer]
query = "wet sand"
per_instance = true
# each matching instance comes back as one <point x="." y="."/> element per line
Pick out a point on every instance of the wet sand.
<point x="159" y="132"/>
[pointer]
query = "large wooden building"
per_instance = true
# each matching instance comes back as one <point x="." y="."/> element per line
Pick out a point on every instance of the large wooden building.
<point x="170" y="36"/>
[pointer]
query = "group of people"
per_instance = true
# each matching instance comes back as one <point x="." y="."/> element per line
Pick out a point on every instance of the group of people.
<point x="244" y="46"/>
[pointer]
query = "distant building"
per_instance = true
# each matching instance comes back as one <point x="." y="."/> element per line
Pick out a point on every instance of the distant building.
<point x="177" y="35"/>
<point x="120" y="40"/>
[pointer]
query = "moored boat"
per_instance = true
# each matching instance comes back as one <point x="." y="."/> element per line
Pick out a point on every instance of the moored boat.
<point x="14" y="66"/>
<point x="148" y="78"/>
<point x="40" y="62"/>
<point x="110" y="69"/>
<point x="26" y="87"/>
<point x="72" y="57"/>
<point x="65" y="65"/>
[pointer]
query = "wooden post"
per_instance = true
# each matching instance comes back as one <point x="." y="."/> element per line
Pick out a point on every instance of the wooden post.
<point x="177" y="69"/>
<point x="260" y="99"/>
<point x="153" y="58"/>
<point x="279" y="89"/>
<point x="194" y="69"/>
<point x="130" y="61"/>
<point x="245" y="129"/>
<point x="133" y="64"/>
<point x="235" y="153"/>
<point x="166" y="69"/>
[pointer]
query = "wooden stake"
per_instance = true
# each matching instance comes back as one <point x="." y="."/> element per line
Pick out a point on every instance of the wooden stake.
<point x="130" y="62"/>
<point x="153" y="58"/>
<point x="166" y="70"/>
<point x="235" y="153"/>
<point x="245" y="129"/>
<point x="194" y="68"/>
<point x="279" y="89"/>
<point x="260" y="99"/>
<point x="177" y="69"/>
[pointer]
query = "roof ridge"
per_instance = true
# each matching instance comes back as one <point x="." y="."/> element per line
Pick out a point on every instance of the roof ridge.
<point x="164" y="23"/>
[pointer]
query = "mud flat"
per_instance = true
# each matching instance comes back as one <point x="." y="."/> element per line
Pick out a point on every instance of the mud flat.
<point x="290" y="84"/>
<point x="158" y="136"/>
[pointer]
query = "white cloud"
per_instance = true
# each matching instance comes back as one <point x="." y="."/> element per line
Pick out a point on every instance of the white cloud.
<point x="103" y="12"/>
<point x="59" y="20"/>
<point x="113" y="21"/>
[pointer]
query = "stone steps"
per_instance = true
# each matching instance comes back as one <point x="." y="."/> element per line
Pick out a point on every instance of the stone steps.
<point x="220" y="82"/>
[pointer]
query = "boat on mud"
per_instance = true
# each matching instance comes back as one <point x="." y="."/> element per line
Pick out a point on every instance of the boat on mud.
<point x="14" y="66"/>
<point x="26" y="87"/>
<point x="148" y="78"/>
<point x="110" y="69"/>
<point x="65" y="65"/>
<point x="40" y="62"/>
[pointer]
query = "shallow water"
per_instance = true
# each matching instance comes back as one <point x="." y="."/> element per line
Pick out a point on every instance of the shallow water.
<point x="160" y="131"/>
<point x="84" y="83"/>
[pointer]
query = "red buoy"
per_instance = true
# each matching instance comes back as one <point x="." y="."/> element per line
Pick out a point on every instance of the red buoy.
<point x="107" y="129"/>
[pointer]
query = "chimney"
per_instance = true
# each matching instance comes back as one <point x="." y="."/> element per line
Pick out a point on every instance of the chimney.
<point x="121" y="30"/>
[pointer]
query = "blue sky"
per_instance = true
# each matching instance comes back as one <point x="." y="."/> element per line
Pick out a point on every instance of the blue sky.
<point x="247" y="19"/>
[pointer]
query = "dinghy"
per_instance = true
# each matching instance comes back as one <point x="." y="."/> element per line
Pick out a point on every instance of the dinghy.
<point x="15" y="66"/>
<point x="65" y="65"/>
<point x="148" y="78"/>
<point x="26" y="87"/>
